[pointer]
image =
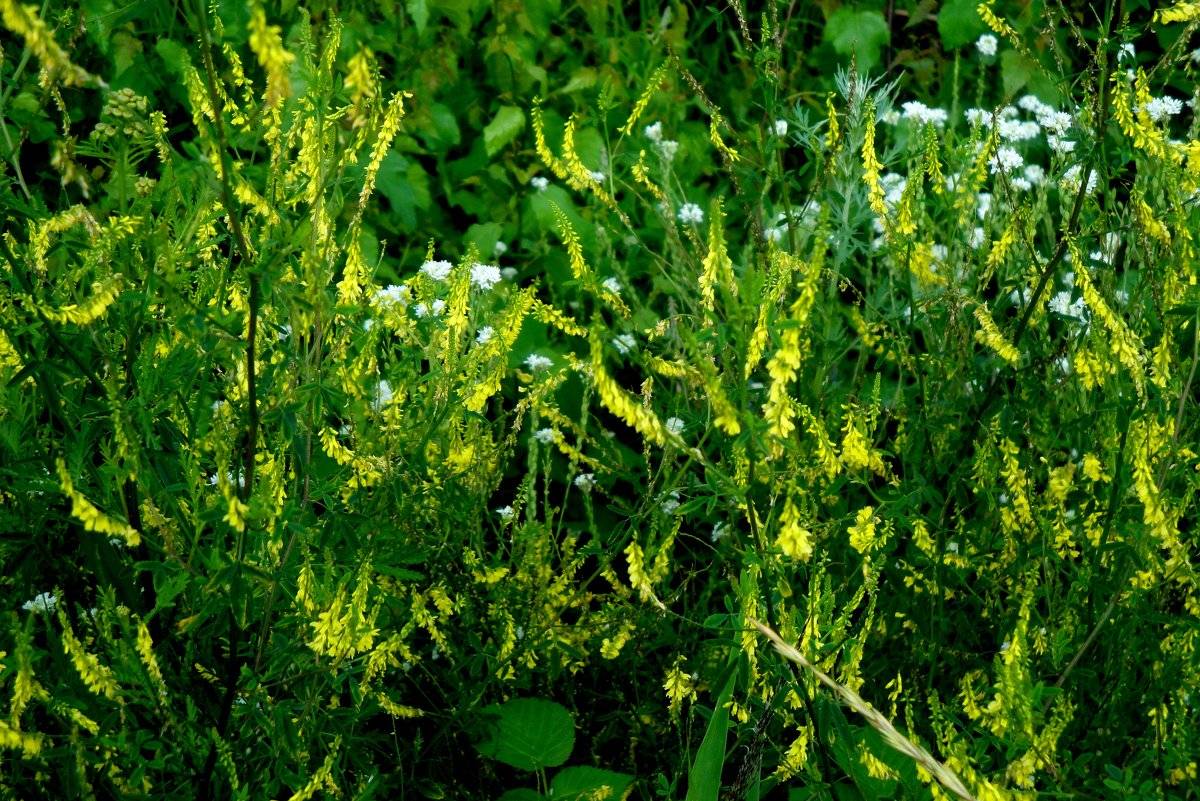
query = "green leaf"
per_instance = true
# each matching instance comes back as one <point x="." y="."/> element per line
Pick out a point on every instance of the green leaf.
<point x="959" y="23"/>
<point x="521" y="794"/>
<point x="1015" y="71"/>
<point x="484" y="237"/>
<point x="504" y="127"/>
<point x="419" y="11"/>
<point x="529" y="733"/>
<point x="578" y="783"/>
<point x="859" y="33"/>
<point x="704" y="779"/>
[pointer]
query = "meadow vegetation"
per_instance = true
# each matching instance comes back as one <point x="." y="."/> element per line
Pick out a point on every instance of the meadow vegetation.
<point x="543" y="400"/>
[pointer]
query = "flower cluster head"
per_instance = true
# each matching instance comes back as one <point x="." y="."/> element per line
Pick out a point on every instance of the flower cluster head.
<point x="390" y="296"/>
<point x="484" y="276"/>
<point x="437" y="270"/>
<point x="691" y="213"/>
<point x="433" y="309"/>
<point x="585" y="481"/>
<point x="42" y="602"/>
<point x="780" y="127"/>
<point x="536" y="362"/>
<point x="918" y="112"/>
<point x="484" y="335"/>
<point x="1162" y="108"/>
<point x="539" y="182"/>
<point x="987" y="45"/>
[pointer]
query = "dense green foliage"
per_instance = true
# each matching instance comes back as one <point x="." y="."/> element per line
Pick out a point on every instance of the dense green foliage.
<point x="430" y="399"/>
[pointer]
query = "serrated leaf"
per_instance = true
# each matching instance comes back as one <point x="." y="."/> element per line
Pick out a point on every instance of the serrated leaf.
<point x="959" y="23"/>
<point x="504" y="127"/>
<point x="529" y="734"/>
<point x="860" y="33"/>
<point x="581" y="782"/>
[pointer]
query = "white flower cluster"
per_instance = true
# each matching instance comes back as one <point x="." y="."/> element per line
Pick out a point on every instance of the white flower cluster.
<point x="987" y="45"/>
<point x="484" y="276"/>
<point x="437" y="270"/>
<point x="666" y="147"/>
<point x="42" y="602"/>
<point x="916" y="111"/>
<point x="690" y="213"/>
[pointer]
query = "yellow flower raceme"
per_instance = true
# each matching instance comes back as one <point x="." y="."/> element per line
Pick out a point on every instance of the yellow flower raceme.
<point x="23" y="20"/>
<point x="871" y="165"/>
<point x="989" y="335"/>
<point x="267" y="45"/>
<point x="1180" y="12"/>
<point x="91" y="517"/>
<point x="794" y="540"/>
<point x="643" y="100"/>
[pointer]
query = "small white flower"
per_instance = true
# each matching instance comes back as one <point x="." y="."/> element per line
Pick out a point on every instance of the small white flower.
<point x="505" y="512"/>
<point x="987" y="44"/>
<point x="500" y="248"/>
<point x="1061" y="304"/>
<point x="437" y="270"/>
<point x="670" y="504"/>
<point x="1126" y="52"/>
<point x="484" y="335"/>
<point x="1021" y="296"/>
<point x="485" y="276"/>
<point x="42" y="602"/>
<point x="1068" y="278"/>
<point x="536" y="362"/>
<point x="1060" y="145"/>
<point x="383" y="394"/>
<point x="597" y="176"/>
<point x="983" y="204"/>
<point x="1056" y="122"/>
<point x="919" y="112"/>
<point x="624" y="343"/>
<point x="539" y="182"/>
<point x="508" y="273"/>
<point x="1019" y="130"/>
<point x="1034" y="105"/>
<point x="720" y="531"/>
<point x="781" y="127"/>
<point x="668" y="148"/>
<point x="675" y="425"/>
<point x="368" y="324"/>
<point x="690" y="213"/>
<point x="1196" y="56"/>
<point x="1122" y="296"/>
<point x="1160" y="108"/>
<point x="939" y="252"/>
<point x="654" y="132"/>
<point x="890" y="117"/>
<point x="977" y="238"/>
<point x="612" y="285"/>
<point x="979" y="116"/>
<point x="545" y="435"/>
<point x="391" y="295"/>
<point x="774" y="233"/>
<point x="1064" y="364"/>
<point x="952" y="546"/>
<point x="1035" y="174"/>
<point x="585" y="481"/>
<point x="1006" y="160"/>
<point x="1021" y="184"/>
<point x="1071" y="179"/>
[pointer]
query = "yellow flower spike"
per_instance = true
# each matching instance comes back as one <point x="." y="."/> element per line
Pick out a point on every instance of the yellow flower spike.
<point x="717" y="264"/>
<point x="862" y="533"/>
<point x="24" y="21"/>
<point x="622" y="404"/>
<point x="267" y="46"/>
<point x="579" y="267"/>
<point x="656" y="78"/>
<point x="91" y="517"/>
<point x="933" y="163"/>
<point x="1124" y="345"/>
<point x="714" y="135"/>
<point x="794" y="539"/>
<point x="96" y="677"/>
<point x="90" y="310"/>
<point x="833" y="131"/>
<point x="1180" y="12"/>
<point x="994" y="22"/>
<point x="679" y="686"/>
<point x="1149" y="223"/>
<point x="989" y="335"/>
<point x="871" y="165"/>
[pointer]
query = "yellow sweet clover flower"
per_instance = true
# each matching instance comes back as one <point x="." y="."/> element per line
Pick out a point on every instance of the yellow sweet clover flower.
<point x="638" y="577"/>
<point x="620" y="403"/>
<point x="1124" y="345"/>
<point x="656" y="78"/>
<point x="795" y="757"/>
<point x="994" y="22"/>
<point x="14" y="739"/>
<point x="714" y="135"/>
<point x="360" y="81"/>
<point x="679" y="686"/>
<point x="862" y="533"/>
<point x="857" y="453"/>
<point x="92" y="518"/>
<point x="833" y="131"/>
<point x="322" y="778"/>
<point x="96" y="677"/>
<point x="1180" y="12"/>
<point x="145" y="649"/>
<point x="871" y="165"/>
<point x="717" y="265"/>
<point x="794" y="539"/>
<point x="268" y="47"/>
<point x="90" y="310"/>
<point x="56" y="64"/>
<point x="989" y="335"/>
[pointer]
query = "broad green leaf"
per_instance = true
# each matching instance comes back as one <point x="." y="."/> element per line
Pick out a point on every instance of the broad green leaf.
<point x="1015" y="71"/>
<point x="704" y="779"/>
<point x="484" y="237"/>
<point x="580" y="782"/>
<point x="521" y="794"/>
<point x="529" y="733"/>
<point x="504" y="127"/>
<point x="859" y="33"/>
<point x="959" y="23"/>
<point x="419" y="11"/>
